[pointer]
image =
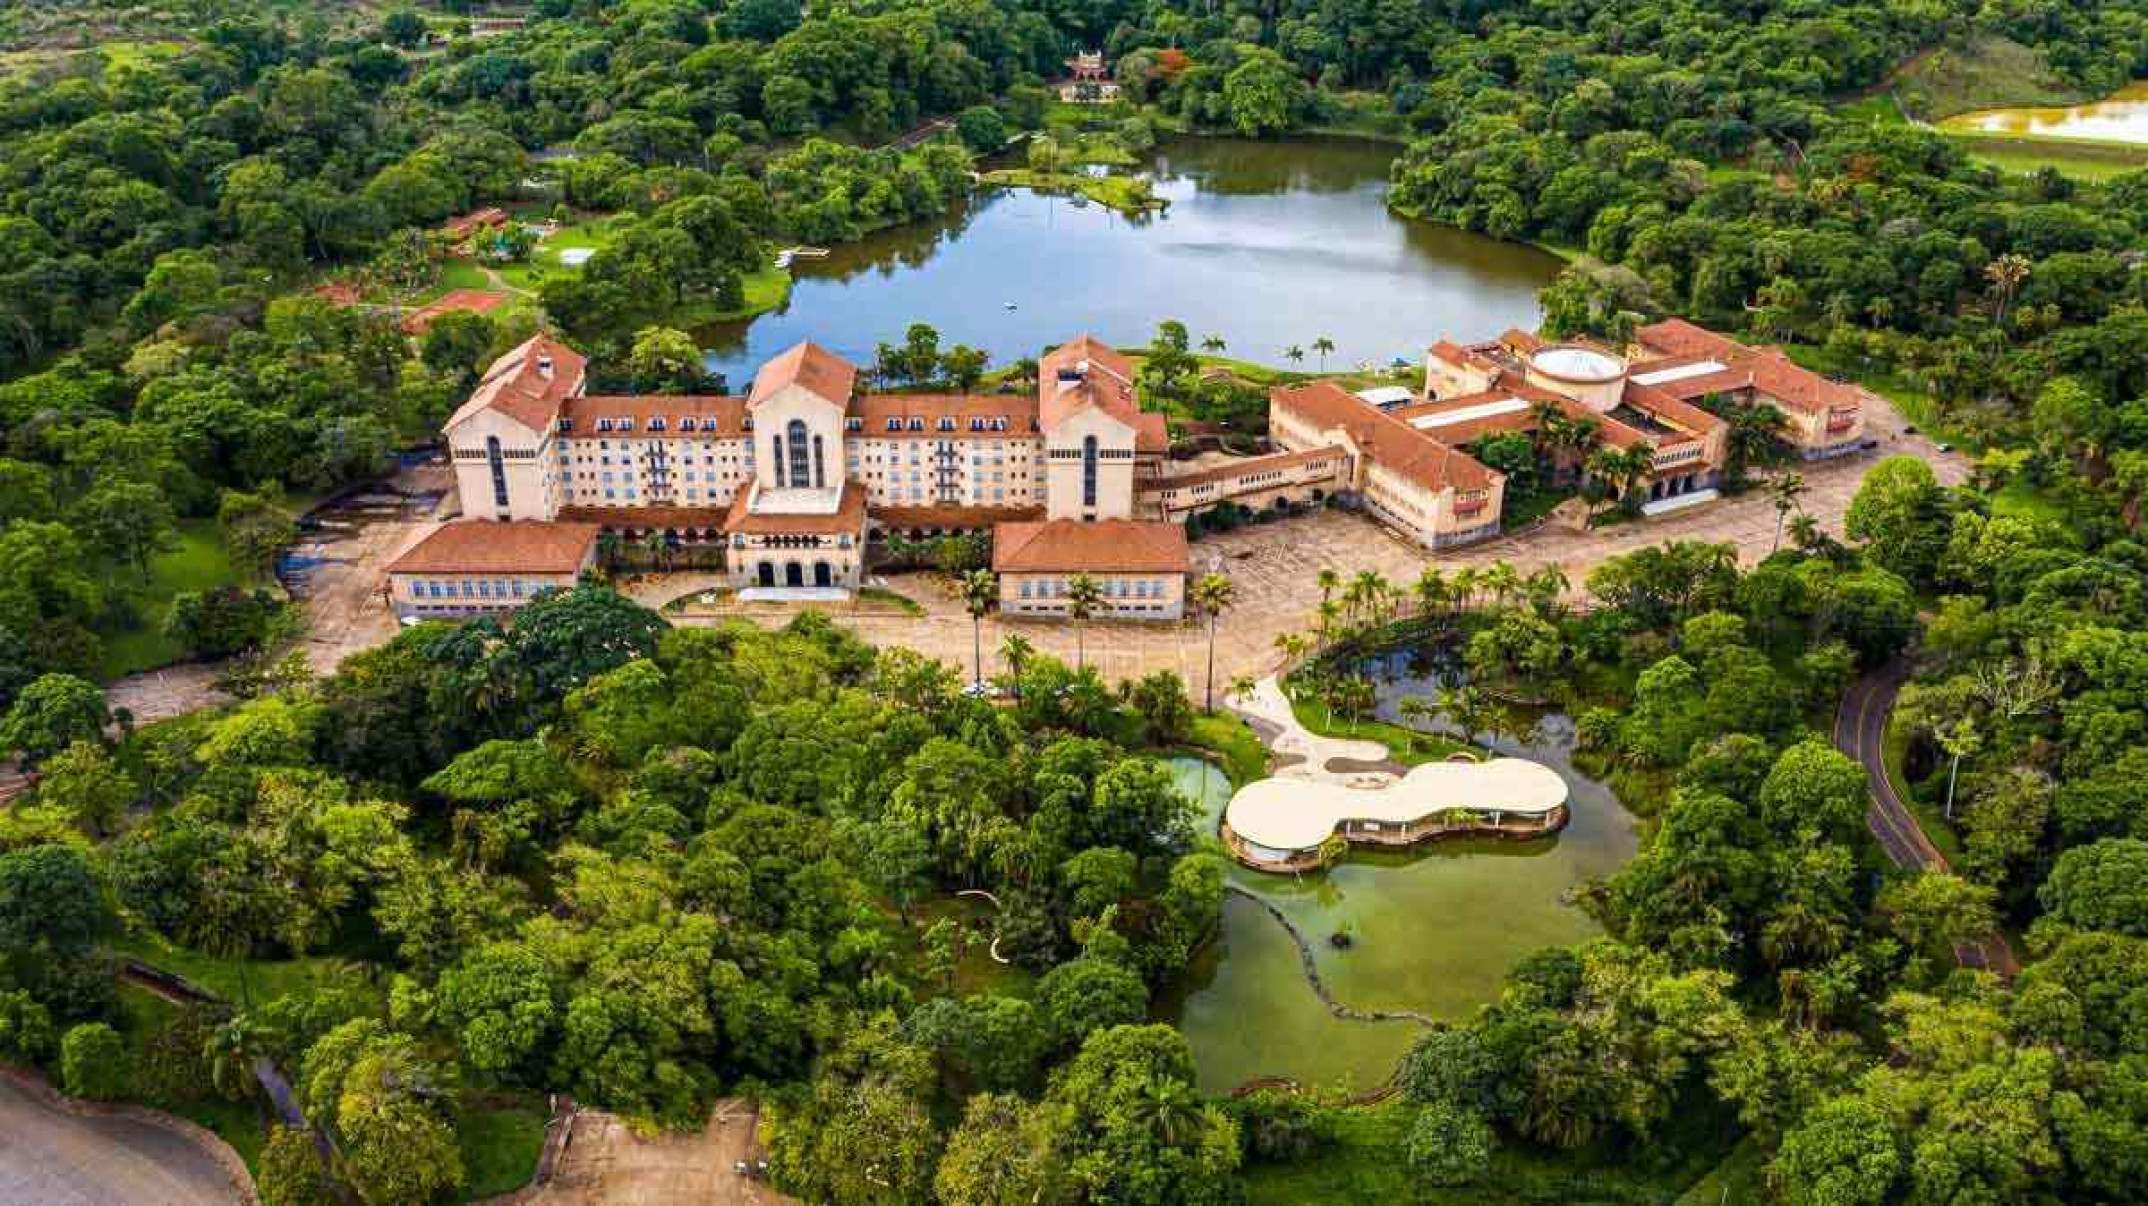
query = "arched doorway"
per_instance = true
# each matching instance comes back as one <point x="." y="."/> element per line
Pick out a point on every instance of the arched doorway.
<point x="822" y="575"/>
<point x="767" y="573"/>
<point x="793" y="574"/>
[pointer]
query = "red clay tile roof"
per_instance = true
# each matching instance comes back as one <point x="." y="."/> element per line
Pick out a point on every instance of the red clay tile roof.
<point x="874" y="411"/>
<point x="809" y="365"/>
<point x="1386" y="440"/>
<point x="1239" y="468"/>
<point x="1069" y="546"/>
<point x="476" y="546"/>
<point x="528" y="384"/>
<point x="491" y="215"/>
<point x="1096" y="375"/>
<point x="641" y="519"/>
<point x="728" y="415"/>
<point x="1765" y="370"/>
<point x="952" y="517"/>
<point x="470" y="301"/>
<point x="1152" y="432"/>
<point x="848" y="517"/>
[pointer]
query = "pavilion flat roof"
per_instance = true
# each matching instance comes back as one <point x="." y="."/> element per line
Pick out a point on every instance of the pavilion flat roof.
<point x="1292" y="813"/>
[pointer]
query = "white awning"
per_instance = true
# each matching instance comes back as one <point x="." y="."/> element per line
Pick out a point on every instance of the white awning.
<point x="1683" y="371"/>
<point x="1482" y="410"/>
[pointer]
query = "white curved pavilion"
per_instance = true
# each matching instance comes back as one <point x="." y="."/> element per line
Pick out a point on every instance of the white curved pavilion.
<point x="1282" y="823"/>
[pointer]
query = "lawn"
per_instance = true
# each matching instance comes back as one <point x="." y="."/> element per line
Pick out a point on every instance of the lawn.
<point x="2023" y="154"/>
<point x="1366" y="1165"/>
<point x="1407" y="746"/>
<point x="1127" y="194"/>
<point x="195" y="563"/>
<point x="231" y="979"/>
<point x="500" y="1143"/>
<point x="976" y="971"/>
<point x="1231" y="739"/>
<point x="2025" y="500"/>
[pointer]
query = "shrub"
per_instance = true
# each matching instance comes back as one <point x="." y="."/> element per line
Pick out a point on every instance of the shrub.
<point x="1450" y="1145"/>
<point x="93" y="1062"/>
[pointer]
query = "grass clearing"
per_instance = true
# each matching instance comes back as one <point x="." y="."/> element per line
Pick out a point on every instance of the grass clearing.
<point x="500" y="1143"/>
<point x="1980" y="73"/>
<point x="1365" y="1164"/>
<point x="2022" y="154"/>
<point x="2026" y="500"/>
<point x="232" y="979"/>
<point x="1407" y="746"/>
<point x="1127" y="194"/>
<point x="1231" y="739"/>
<point x="197" y="562"/>
<point x="975" y="971"/>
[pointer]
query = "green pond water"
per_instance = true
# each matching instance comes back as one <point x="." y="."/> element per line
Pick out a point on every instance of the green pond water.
<point x="1433" y="931"/>
<point x="2119" y="117"/>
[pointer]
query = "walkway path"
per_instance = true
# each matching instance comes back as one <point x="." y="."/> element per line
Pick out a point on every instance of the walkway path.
<point x="50" y="1155"/>
<point x="1861" y="732"/>
<point x="1307" y="754"/>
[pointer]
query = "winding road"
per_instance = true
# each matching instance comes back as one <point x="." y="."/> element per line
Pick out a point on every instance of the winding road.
<point x="51" y="1155"/>
<point x="1861" y="732"/>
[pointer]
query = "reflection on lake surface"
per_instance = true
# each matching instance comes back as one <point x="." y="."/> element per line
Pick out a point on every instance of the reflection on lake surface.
<point x="1267" y="244"/>
<point x="2119" y="117"/>
<point x="1434" y="930"/>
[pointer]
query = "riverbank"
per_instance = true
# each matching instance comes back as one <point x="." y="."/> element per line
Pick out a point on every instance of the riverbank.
<point x="1125" y="194"/>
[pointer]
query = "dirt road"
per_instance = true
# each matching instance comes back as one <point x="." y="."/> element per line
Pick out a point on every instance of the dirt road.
<point x="54" y="1158"/>
<point x="607" y="1164"/>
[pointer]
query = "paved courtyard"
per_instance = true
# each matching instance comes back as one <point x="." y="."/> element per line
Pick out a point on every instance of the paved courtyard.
<point x="1275" y="568"/>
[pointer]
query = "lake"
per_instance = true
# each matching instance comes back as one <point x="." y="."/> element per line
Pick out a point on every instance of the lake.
<point x="2119" y="117"/>
<point x="1434" y="930"/>
<point x="1267" y="244"/>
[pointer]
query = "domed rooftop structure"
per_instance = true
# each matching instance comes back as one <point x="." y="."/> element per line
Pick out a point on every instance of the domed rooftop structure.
<point x="1589" y="375"/>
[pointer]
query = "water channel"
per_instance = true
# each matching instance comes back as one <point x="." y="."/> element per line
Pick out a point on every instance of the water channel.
<point x="1432" y="931"/>
<point x="2119" y="117"/>
<point x="1267" y="244"/>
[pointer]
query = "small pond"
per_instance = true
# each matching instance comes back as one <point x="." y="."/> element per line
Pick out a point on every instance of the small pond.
<point x="1433" y="930"/>
<point x="1267" y="244"/>
<point x="2119" y="117"/>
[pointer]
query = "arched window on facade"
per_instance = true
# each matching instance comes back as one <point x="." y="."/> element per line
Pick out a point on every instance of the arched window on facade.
<point x="820" y="467"/>
<point x="776" y="458"/>
<point x="499" y="470"/>
<point x="800" y="465"/>
<point x="1088" y="471"/>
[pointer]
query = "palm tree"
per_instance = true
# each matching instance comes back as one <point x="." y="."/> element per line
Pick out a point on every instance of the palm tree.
<point x="1295" y="353"/>
<point x="1620" y="470"/>
<point x="1323" y="345"/>
<point x="1329" y="610"/>
<point x="1501" y="579"/>
<point x="2006" y="275"/>
<point x="655" y="547"/>
<point x="1545" y="587"/>
<point x="1083" y="596"/>
<point x="1418" y="712"/>
<point x="1015" y="650"/>
<point x="608" y="546"/>
<point x="1242" y="688"/>
<point x="1783" y="492"/>
<point x="1212" y="596"/>
<point x="979" y="589"/>
<point x="1213" y="344"/>
<point x="1432" y="590"/>
<point x="230" y="1049"/>
<point x="1292" y="645"/>
<point x="1328" y="580"/>
<point x="1169" y="1111"/>
<point x="1464" y="587"/>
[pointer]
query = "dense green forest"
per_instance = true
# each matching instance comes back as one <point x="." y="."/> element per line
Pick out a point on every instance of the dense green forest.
<point x="646" y="866"/>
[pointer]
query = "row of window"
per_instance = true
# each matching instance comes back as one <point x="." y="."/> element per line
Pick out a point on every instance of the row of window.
<point x="478" y="588"/>
<point x="1113" y="588"/>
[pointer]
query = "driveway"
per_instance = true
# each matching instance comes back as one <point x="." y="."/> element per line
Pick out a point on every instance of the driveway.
<point x="606" y="1164"/>
<point x="55" y="1158"/>
<point x="1861" y="732"/>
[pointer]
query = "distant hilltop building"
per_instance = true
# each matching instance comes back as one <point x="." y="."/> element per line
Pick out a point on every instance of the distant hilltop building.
<point x="1088" y="80"/>
<point x="794" y="480"/>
